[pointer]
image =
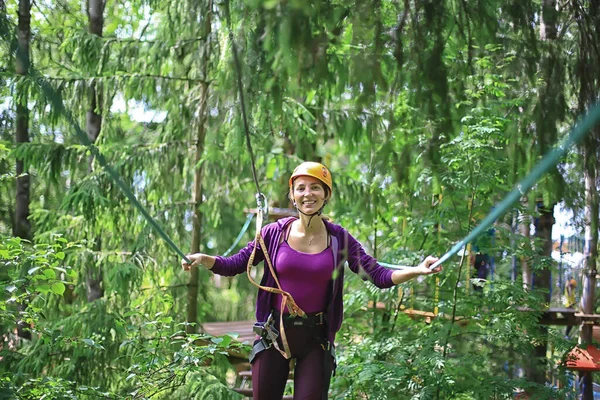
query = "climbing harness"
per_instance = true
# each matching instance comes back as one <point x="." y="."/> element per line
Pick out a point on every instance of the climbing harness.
<point x="268" y="337"/>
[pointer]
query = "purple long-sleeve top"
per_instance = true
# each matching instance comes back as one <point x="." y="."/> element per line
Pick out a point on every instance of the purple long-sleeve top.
<point x="345" y="249"/>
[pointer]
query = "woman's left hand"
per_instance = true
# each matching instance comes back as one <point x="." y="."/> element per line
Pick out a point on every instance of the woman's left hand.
<point x="424" y="269"/>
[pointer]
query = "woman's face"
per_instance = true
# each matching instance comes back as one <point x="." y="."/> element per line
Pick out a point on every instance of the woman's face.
<point x="309" y="194"/>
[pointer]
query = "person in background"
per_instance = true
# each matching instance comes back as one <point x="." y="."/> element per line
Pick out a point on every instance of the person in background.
<point x="569" y="300"/>
<point x="307" y="256"/>
<point x="481" y="263"/>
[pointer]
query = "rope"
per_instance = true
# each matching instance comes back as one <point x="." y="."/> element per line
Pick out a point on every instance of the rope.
<point x="239" y="236"/>
<point x="591" y="119"/>
<point x="56" y="100"/>
<point x="585" y="124"/>
<point x="240" y="86"/>
<point x="57" y="103"/>
<point x="287" y="299"/>
<point x="394" y="266"/>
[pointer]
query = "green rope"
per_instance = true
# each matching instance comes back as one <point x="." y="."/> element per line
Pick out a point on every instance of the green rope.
<point x="57" y="103"/>
<point x="56" y="100"/>
<point x="591" y="119"/>
<point x="392" y="266"/>
<point x="239" y="236"/>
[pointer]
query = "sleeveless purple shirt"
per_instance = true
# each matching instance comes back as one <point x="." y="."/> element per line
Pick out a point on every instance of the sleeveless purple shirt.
<point x="305" y="276"/>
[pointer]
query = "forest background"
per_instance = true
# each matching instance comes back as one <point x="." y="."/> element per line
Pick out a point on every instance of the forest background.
<point x="427" y="113"/>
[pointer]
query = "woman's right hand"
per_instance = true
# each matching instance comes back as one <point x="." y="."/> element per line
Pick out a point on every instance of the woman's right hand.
<point x="197" y="259"/>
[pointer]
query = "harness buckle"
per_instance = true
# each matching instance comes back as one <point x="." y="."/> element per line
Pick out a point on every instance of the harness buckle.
<point x="266" y="330"/>
<point x="320" y="318"/>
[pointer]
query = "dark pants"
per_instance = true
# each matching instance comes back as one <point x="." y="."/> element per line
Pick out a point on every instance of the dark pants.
<point x="270" y="369"/>
<point x="569" y="327"/>
<point x="482" y="273"/>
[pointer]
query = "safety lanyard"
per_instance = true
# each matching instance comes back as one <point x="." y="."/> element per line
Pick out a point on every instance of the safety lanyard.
<point x="286" y="298"/>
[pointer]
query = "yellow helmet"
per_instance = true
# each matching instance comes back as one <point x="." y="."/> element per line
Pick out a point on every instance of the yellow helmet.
<point x="314" y="169"/>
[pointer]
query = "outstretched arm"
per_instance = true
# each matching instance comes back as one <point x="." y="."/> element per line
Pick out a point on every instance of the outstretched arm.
<point x="198" y="259"/>
<point x="401" y="276"/>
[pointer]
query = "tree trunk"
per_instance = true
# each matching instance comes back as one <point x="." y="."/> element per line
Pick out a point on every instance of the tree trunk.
<point x="525" y="231"/>
<point x="589" y="26"/>
<point x="543" y="233"/>
<point x="543" y="280"/>
<point x="192" y="302"/>
<point x="591" y="252"/>
<point x="22" y="226"/>
<point x="93" y="124"/>
<point x="547" y="114"/>
<point x="192" y="295"/>
<point x="548" y="29"/>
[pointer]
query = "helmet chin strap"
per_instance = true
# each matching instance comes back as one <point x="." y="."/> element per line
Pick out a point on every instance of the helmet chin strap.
<point x="316" y="213"/>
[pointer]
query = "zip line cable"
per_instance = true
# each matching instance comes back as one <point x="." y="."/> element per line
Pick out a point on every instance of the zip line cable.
<point x="585" y="124"/>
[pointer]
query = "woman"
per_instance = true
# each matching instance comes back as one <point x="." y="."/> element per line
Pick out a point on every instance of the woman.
<point x="308" y="256"/>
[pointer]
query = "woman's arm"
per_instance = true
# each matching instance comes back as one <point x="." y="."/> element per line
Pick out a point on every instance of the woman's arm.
<point x="359" y="260"/>
<point x="198" y="259"/>
<point x="401" y="276"/>
<point x="225" y="266"/>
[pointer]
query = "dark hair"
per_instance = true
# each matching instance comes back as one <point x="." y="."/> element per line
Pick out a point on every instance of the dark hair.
<point x="482" y="259"/>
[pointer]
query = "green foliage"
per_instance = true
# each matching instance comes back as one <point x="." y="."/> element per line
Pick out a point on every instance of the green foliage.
<point x="29" y="277"/>
<point x="389" y="355"/>
<point x="159" y="356"/>
<point x="426" y="114"/>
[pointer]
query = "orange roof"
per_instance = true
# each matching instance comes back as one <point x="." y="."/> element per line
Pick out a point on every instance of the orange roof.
<point x="584" y="359"/>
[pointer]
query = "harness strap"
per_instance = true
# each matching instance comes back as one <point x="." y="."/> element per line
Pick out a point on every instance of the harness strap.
<point x="286" y="301"/>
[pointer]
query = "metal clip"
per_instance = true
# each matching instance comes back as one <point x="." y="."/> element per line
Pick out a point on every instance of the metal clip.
<point x="262" y="204"/>
<point x="266" y="330"/>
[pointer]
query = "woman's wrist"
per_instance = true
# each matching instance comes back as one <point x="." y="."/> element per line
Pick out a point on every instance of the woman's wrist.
<point x="208" y="262"/>
<point x="404" y="275"/>
<point x="204" y="260"/>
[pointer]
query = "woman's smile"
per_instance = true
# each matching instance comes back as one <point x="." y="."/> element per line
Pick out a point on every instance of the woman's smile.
<point x="309" y="193"/>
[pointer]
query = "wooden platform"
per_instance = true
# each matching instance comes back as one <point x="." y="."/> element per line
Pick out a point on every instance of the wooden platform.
<point x="552" y="316"/>
<point x="565" y="316"/>
<point x="428" y="316"/>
